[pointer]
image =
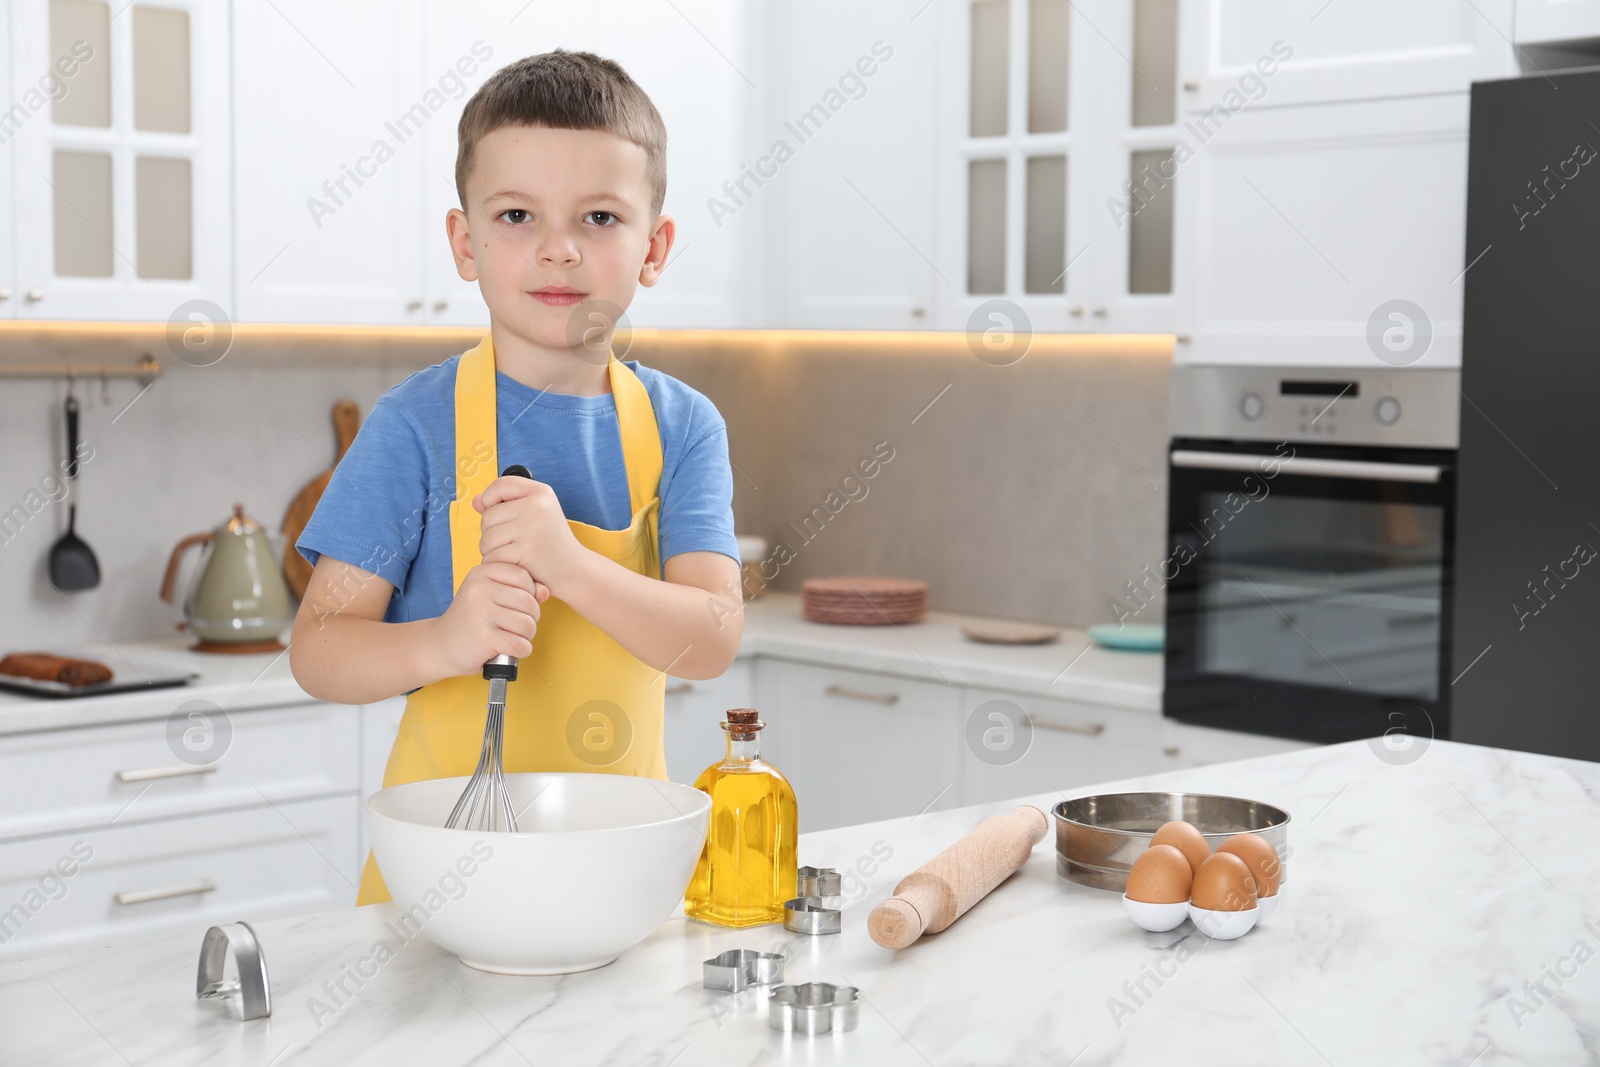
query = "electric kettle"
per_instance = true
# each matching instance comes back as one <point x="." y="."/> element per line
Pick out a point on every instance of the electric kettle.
<point x="238" y="600"/>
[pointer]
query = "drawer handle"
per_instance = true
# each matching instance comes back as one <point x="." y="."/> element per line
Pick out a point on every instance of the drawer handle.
<point x="153" y="773"/>
<point x="1171" y="750"/>
<point x="1094" y="729"/>
<point x="680" y="687"/>
<point x="856" y="694"/>
<point x="144" y="896"/>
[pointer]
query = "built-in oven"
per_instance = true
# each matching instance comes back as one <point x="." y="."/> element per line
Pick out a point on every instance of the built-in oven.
<point x="1310" y="550"/>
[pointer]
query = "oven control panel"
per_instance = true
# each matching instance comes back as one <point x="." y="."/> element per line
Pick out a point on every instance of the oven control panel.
<point x="1330" y="405"/>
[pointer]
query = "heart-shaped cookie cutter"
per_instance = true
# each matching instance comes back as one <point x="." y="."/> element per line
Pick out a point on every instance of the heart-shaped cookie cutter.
<point x="739" y="968"/>
<point x="814" y="1008"/>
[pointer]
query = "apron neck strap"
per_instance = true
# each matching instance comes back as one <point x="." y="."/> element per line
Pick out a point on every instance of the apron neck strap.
<point x="477" y="430"/>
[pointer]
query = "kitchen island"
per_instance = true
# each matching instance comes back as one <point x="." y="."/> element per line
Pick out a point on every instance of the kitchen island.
<point x="1441" y="906"/>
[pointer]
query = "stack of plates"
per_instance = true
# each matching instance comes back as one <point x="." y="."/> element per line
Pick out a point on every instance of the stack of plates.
<point x="863" y="601"/>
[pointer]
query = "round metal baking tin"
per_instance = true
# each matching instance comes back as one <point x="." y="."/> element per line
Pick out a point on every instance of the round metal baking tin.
<point x="1098" y="837"/>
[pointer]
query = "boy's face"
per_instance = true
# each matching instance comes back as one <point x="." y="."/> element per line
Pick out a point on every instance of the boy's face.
<point x="550" y="208"/>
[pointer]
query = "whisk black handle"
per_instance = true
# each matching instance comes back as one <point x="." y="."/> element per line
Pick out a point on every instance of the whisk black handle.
<point x="505" y="666"/>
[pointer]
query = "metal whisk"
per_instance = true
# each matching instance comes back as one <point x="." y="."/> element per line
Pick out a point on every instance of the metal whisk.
<point x="484" y="804"/>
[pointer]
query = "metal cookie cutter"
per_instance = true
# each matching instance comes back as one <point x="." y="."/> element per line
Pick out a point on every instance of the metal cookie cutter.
<point x="808" y="915"/>
<point x="251" y="989"/>
<point x="737" y="968"/>
<point x="814" y="1008"/>
<point x="820" y="882"/>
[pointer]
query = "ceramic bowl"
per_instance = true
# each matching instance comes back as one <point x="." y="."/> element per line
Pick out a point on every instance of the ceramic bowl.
<point x="598" y="862"/>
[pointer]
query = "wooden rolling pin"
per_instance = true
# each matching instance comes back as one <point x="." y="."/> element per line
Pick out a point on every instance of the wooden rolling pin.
<point x="940" y="891"/>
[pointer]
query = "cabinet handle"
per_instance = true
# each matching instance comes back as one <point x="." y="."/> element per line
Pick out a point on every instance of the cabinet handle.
<point x="153" y="773"/>
<point x="440" y="305"/>
<point x="1094" y="729"/>
<point x="414" y="305"/>
<point x="1075" y="311"/>
<point x="918" y="313"/>
<point x="35" y="295"/>
<point x="5" y="294"/>
<point x="1183" y="338"/>
<point x="680" y="687"/>
<point x="1170" y="750"/>
<point x="1191" y="87"/>
<point x="145" y="896"/>
<point x="1100" y="312"/>
<point x="856" y="694"/>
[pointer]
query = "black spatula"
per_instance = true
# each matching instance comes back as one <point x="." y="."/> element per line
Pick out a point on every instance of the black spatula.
<point x="72" y="562"/>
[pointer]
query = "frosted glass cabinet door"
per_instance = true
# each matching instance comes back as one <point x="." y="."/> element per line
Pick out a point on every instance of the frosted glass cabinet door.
<point x="119" y="155"/>
<point x="329" y="161"/>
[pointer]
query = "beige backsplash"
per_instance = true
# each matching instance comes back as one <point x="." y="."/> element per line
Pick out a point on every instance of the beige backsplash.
<point x="1032" y="491"/>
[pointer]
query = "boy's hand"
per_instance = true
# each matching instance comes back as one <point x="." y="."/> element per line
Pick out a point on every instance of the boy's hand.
<point x="495" y="612"/>
<point x="523" y="524"/>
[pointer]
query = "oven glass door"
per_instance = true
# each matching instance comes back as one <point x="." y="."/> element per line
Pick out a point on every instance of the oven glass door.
<point x="1308" y="589"/>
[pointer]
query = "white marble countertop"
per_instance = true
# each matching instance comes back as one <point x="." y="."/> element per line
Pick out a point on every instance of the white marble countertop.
<point x="1440" y="911"/>
<point x="1070" y="668"/>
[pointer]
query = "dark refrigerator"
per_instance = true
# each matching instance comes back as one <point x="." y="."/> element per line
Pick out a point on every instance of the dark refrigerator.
<point x="1526" y="656"/>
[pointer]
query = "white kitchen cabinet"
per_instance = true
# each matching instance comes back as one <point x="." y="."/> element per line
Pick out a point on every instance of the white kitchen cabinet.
<point x="67" y="780"/>
<point x="122" y="184"/>
<point x="859" y="746"/>
<point x="506" y="30"/>
<point x="328" y="162"/>
<point x="8" y="200"/>
<point x="712" y="273"/>
<point x="1071" y="745"/>
<point x="693" y="739"/>
<point x="1295" y="225"/>
<point x="174" y="876"/>
<point x="1553" y="21"/>
<point x="1340" y="49"/>
<point x="1184" y="745"/>
<point x="846" y="161"/>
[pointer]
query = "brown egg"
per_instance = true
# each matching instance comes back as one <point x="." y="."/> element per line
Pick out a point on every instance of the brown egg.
<point x="1186" y="839"/>
<point x="1160" y="875"/>
<point x="1224" y="883"/>
<point x="1260" y="857"/>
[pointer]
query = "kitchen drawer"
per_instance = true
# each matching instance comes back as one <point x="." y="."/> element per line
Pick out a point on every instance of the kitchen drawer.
<point x="262" y="863"/>
<point x="1073" y="745"/>
<point x="380" y="725"/>
<point x="693" y="709"/>
<point x="58" y="780"/>
<point x="1185" y="745"/>
<point x="859" y="746"/>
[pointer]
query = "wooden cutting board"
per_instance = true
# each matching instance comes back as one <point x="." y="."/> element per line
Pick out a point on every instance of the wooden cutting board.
<point x="346" y="421"/>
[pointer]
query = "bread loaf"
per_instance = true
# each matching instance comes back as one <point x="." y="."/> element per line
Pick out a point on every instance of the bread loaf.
<point x="48" y="668"/>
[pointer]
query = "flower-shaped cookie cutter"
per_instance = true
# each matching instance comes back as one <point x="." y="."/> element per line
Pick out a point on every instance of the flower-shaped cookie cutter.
<point x="739" y="968"/>
<point x="814" y="1008"/>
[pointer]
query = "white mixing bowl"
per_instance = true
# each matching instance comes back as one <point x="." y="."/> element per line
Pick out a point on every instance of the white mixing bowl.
<point x="598" y="862"/>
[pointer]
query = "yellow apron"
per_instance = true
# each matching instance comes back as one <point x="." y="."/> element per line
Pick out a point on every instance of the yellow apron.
<point x="581" y="702"/>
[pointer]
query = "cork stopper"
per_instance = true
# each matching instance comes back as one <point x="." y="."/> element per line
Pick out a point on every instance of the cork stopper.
<point x="743" y="723"/>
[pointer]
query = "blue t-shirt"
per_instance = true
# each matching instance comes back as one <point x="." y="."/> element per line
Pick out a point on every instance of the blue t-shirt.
<point x="386" y="508"/>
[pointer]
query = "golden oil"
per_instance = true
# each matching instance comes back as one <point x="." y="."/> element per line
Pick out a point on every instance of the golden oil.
<point x="749" y="866"/>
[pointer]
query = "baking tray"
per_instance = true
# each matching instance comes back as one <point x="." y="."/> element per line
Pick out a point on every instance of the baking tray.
<point x="125" y="681"/>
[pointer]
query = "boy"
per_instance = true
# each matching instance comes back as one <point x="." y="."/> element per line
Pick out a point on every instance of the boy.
<point x="617" y="561"/>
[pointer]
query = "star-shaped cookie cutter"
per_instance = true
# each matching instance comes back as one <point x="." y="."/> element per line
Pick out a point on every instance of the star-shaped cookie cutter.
<point x="814" y="1008"/>
<point x="820" y="882"/>
<point x="738" y="968"/>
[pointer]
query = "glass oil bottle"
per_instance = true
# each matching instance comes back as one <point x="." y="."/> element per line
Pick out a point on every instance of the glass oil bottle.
<point x="748" y="868"/>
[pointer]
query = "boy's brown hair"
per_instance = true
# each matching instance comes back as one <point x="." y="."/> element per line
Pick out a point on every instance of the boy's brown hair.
<point x="567" y="91"/>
